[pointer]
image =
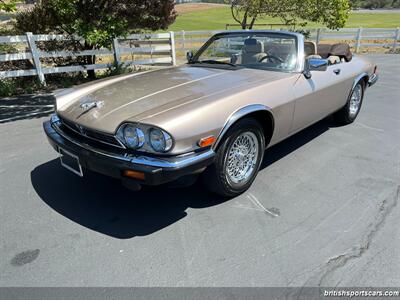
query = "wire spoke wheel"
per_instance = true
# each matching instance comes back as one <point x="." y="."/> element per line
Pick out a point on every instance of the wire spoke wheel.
<point x="237" y="159"/>
<point x="242" y="158"/>
<point x="355" y="100"/>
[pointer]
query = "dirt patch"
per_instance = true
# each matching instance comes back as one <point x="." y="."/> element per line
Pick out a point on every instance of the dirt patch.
<point x="190" y="7"/>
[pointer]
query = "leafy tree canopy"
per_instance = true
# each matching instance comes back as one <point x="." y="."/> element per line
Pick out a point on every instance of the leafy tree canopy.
<point x="332" y="13"/>
<point x="97" y="21"/>
<point x="7" y="6"/>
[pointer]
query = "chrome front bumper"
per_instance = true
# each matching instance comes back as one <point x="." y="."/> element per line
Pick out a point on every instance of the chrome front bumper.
<point x="158" y="170"/>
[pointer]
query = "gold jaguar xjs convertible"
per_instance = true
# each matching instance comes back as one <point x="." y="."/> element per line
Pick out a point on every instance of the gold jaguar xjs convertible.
<point x="242" y="92"/>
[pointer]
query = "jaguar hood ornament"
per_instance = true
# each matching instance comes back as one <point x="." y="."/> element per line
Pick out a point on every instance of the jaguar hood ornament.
<point x="89" y="105"/>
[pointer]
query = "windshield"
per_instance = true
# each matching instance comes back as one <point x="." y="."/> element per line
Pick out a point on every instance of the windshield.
<point x="250" y="50"/>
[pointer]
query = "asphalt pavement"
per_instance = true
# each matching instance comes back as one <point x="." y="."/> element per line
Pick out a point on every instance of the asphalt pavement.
<point x="323" y="211"/>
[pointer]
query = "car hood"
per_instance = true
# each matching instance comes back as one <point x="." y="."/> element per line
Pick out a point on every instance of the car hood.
<point x="134" y="97"/>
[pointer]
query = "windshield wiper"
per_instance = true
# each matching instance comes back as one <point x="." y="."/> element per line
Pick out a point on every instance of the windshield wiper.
<point x="216" y="62"/>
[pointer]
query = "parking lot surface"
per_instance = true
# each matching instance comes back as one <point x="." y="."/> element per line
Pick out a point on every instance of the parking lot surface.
<point x="323" y="211"/>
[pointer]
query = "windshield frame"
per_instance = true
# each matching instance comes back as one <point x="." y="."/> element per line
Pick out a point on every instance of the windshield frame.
<point x="299" y="38"/>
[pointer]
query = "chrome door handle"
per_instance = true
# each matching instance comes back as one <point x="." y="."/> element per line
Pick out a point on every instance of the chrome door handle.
<point x="336" y="71"/>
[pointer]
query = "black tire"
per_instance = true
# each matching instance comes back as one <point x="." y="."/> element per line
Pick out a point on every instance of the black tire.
<point x="215" y="178"/>
<point x="344" y="115"/>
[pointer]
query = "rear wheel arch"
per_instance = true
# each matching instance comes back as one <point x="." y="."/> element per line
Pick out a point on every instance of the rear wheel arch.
<point x="259" y="112"/>
<point x="344" y="116"/>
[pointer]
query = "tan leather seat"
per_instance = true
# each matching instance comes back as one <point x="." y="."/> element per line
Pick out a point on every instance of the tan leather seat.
<point x="253" y="51"/>
<point x="335" y="51"/>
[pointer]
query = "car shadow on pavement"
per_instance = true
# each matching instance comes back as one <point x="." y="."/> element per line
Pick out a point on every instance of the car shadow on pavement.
<point x="102" y="204"/>
<point x="26" y="107"/>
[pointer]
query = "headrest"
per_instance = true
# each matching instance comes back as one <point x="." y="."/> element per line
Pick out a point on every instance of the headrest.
<point x="310" y="48"/>
<point x="333" y="59"/>
<point x="253" y="46"/>
<point x="340" y="49"/>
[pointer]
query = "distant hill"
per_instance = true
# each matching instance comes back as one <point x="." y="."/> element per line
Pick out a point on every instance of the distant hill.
<point x="368" y="4"/>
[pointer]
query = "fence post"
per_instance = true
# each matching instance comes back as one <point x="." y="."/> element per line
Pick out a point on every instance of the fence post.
<point x="318" y="38"/>
<point x="183" y="42"/>
<point x="358" y="40"/>
<point x="117" y="53"/>
<point x="396" y="38"/>
<point x="172" y="43"/>
<point x="36" y="57"/>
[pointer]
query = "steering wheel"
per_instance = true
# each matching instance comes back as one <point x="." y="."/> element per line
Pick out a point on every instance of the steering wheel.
<point x="276" y="58"/>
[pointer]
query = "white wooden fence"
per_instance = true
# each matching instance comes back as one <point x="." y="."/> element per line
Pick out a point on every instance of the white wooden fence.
<point x="161" y="49"/>
<point x="361" y="37"/>
<point x="358" y="38"/>
<point x="136" y="49"/>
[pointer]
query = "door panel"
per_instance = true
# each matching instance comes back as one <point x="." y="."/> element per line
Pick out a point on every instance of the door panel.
<point x="322" y="94"/>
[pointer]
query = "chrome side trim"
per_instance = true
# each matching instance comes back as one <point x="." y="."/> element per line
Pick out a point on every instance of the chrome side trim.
<point x="358" y="78"/>
<point x="174" y="162"/>
<point x="236" y="116"/>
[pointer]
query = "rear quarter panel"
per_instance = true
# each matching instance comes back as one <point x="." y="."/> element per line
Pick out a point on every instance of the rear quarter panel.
<point x="325" y="92"/>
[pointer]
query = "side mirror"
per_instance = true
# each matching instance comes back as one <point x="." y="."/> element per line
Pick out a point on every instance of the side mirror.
<point x="315" y="64"/>
<point x="189" y="56"/>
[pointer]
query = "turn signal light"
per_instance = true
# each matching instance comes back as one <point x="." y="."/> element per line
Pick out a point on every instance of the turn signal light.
<point x="134" y="174"/>
<point x="207" y="141"/>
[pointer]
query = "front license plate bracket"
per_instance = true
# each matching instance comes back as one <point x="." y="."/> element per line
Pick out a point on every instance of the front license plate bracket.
<point x="70" y="161"/>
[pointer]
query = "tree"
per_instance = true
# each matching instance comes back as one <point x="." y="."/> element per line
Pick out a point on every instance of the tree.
<point x="98" y="22"/>
<point x="332" y="13"/>
<point x="245" y="12"/>
<point x="7" y="6"/>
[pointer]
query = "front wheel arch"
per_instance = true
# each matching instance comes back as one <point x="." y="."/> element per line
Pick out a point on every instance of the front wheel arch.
<point x="260" y="113"/>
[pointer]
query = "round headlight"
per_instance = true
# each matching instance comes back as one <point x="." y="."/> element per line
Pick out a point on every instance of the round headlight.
<point x="133" y="136"/>
<point x="160" y="140"/>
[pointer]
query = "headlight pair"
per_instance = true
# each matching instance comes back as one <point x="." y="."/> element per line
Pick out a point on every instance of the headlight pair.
<point x="139" y="136"/>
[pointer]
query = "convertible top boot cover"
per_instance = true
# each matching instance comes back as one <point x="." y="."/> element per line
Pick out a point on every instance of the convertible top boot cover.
<point x="341" y="50"/>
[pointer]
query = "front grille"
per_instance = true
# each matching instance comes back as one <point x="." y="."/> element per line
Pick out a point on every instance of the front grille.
<point x="90" y="134"/>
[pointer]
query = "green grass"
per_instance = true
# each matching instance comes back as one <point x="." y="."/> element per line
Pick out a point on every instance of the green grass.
<point x="215" y="19"/>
